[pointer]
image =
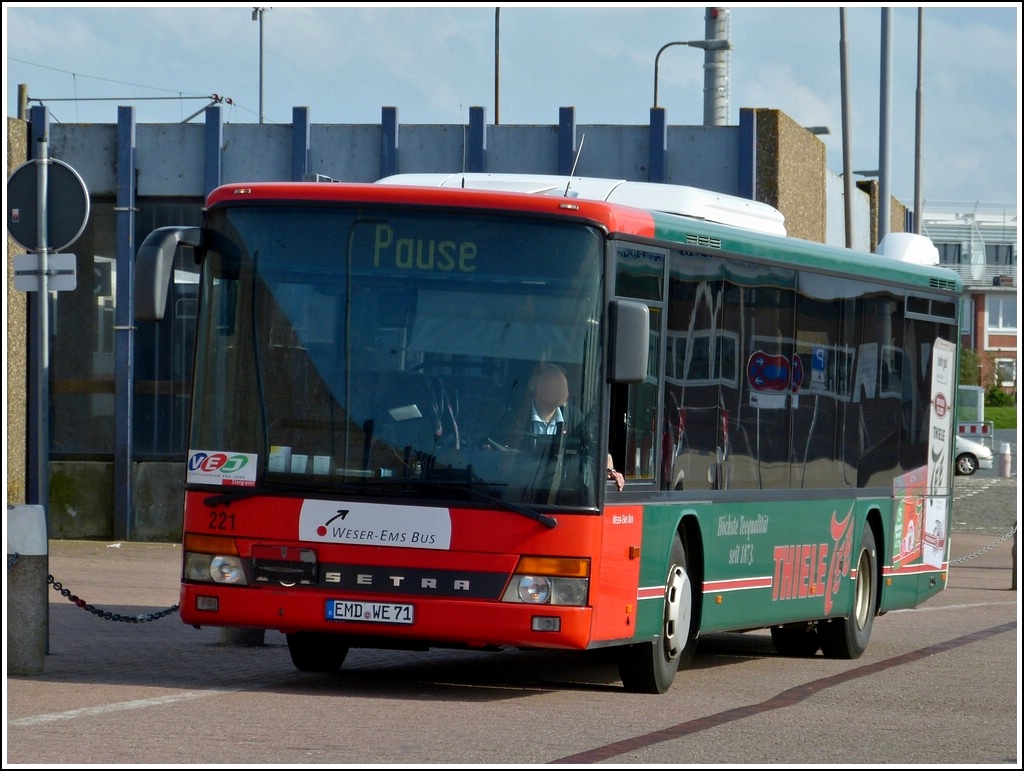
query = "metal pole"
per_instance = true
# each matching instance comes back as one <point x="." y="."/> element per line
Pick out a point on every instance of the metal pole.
<point x="124" y="325"/>
<point x="918" y="155"/>
<point x="257" y="15"/>
<point x="261" y="65"/>
<point x="657" y="57"/>
<point x="43" y="323"/>
<point x="42" y="420"/>
<point x="497" y="27"/>
<point x="1013" y="560"/>
<point x="708" y="45"/>
<point x="847" y="150"/>
<point x="884" y="155"/>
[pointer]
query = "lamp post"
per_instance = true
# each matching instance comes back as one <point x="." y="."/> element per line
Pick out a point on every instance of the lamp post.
<point x="707" y="45"/>
<point x="497" y="40"/>
<point x="257" y="15"/>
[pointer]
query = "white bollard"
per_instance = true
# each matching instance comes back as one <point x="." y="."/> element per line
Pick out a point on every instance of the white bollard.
<point x="27" y="610"/>
<point x="1005" y="460"/>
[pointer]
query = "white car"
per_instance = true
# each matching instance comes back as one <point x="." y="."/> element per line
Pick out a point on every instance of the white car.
<point x="971" y="456"/>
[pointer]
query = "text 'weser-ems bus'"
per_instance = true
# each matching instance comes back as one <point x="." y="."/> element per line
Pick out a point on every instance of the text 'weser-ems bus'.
<point x="363" y="469"/>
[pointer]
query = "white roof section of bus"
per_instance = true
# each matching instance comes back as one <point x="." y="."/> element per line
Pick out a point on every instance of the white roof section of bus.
<point x="673" y="199"/>
<point x="909" y="247"/>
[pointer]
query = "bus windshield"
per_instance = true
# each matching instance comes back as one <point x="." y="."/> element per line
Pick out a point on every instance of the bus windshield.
<point x="384" y="350"/>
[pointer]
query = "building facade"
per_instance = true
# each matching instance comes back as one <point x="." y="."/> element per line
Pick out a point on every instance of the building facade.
<point x="980" y="243"/>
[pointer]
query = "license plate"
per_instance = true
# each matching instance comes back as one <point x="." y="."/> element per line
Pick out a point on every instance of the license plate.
<point x="373" y="612"/>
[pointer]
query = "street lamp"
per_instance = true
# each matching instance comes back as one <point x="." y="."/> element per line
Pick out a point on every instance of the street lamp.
<point x="707" y="45"/>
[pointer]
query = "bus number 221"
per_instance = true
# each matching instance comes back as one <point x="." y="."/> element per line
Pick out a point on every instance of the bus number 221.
<point x="221" y="520"/>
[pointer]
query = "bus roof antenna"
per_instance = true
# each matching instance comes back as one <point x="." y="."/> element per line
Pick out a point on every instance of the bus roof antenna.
<point x="579" y="151"/>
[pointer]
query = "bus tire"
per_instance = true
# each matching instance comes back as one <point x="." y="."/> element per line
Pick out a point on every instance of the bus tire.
<point x="651" y="667"/>
<point x="847" y="638"/>
<point x="800" y="641"/>
<point x="316" y="651"/>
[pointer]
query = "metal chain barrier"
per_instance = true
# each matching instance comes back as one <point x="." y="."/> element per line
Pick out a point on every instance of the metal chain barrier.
<point x="988" y="548"/>
<point x="104" y="614"/>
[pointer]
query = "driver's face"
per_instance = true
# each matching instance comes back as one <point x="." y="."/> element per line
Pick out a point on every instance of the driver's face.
<point x="552" y="388"/>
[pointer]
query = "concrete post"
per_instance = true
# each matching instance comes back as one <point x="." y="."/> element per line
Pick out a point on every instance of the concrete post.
<point x="1005" y="460"/>
<point x="27" y="610"/>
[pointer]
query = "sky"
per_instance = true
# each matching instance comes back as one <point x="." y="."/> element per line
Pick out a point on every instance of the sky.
<point x="433" y="62"/>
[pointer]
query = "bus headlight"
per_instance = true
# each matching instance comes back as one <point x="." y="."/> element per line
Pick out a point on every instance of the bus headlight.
<point x="535" y="589"/>
<point x="216" y="568"/>
<point x="547" y="590"/>
<point x="549" y="581"/>
<point x="569" y="591"/>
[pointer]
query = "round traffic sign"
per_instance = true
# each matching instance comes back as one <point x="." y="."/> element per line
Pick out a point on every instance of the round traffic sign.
<point x="66" y="209"/>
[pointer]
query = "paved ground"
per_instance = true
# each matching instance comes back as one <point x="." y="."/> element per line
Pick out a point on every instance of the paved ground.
<point x="117" y="602"/>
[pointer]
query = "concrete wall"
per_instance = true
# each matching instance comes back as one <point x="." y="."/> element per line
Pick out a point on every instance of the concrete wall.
<point x="17" y="342"/>
<point x="81" y="501"/>
<point x="897" y="211"/>
<point x="172" y="159"/>
<point x="835" y="224"/>
<point x="791" y="173"/>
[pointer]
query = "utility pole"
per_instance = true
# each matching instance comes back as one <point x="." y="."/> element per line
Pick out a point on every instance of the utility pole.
<point x="919" y="118"/>
<point x="844" y="90"/>
<point x="497" y="40"/>
<point x="257" y="15"/>
<point x="884" y="154"/>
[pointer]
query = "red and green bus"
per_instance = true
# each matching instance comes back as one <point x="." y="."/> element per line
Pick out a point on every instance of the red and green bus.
<point x="359" y="476"/>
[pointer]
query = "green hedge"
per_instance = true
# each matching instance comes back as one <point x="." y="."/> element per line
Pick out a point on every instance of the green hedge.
<point x="1001" y="417"/>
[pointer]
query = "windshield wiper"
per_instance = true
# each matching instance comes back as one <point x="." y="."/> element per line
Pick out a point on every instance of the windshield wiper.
<point x="526" y="511"/>
<point x="474" y="491"/>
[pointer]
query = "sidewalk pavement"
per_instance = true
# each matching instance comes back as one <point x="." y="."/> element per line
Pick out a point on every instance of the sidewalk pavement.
<point x="97" y="590"/>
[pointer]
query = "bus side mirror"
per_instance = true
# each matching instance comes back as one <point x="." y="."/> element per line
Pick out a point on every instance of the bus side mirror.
<point x="153" y="268"/>
<point x="629" y="335"/>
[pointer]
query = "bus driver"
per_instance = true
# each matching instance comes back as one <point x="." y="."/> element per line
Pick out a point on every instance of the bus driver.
<point x="550" y="405"/>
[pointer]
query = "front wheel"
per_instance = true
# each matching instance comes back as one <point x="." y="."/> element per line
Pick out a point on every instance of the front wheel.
<point x="651" y="667"/>
<point x="316" y="651"/>
<point x="847" y="638"/>
<point x="966" y="465"/>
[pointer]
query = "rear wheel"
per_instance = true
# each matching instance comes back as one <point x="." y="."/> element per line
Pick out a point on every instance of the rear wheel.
<point x="847" y="638"/>
<point x="651" y="667"/>
<point x="316" y="651"/>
